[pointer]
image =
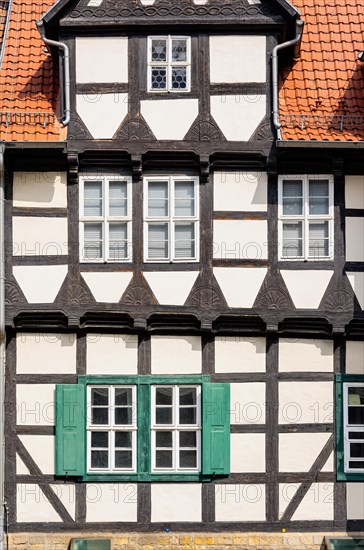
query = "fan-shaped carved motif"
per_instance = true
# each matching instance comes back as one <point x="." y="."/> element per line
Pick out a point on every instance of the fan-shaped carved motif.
<point x="77" y="130"/>
<point x="138" y="295"/>
<point x="135" y="130"/>
<point x="74" y="293"/>
<point x="274" y="298"/>
<point x="206" y="296"/>
<point x="338" y="300"/>
<point x="204" y="130"/>
<point x="13" y="294"/>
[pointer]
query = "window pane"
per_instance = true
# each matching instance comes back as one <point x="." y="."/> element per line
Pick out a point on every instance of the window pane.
<point x="100" y="396"/>
<point x="92" y="241"/>
<point x="357" y="450"/>
<point x="187" y="439"/>
<point x="159" y="78"/>
<point x="292" y="240"/>
<point x="184" y="198"/>
<point x="123" y="439"/>
<point x="187" y="396"/>
<point x="356" y="435"/>
<point x="99" y="459"/>
<point x="318" y="197"/>
<point x="163" y="415"/>
<point x="187" y="416"/>
<point x="123" y="416"/>
<point x="292" y="198"/>
<point x="118" y="198"/>
<point x="163" y="396"/>
<point x="319" y="239"/>
<point x="118" y="243"/>
<point x="163" y="459"/>
<point x="123" y="396"/>
<point x="92" y="198"/>
<point x="159" y="50"/>
<point x="356" y="415"/>
<point x="123" y="459"/>
<point x="158" y="199"/>
<point x="179" y="78"/>
<point x="158" y="241"/>
<point x="100" y="416"/>
<point x="188" y="459"/>
<point x="358" y="465"/>
<point x="179" y="50"/>
<point x="184" y="240"/>
<point x="100" y="439"/>
<point x="356" y="395"/>
<point x="163" y="439"/>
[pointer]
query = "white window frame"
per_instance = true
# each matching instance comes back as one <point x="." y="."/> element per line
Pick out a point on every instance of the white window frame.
<point x="175" y="428"/>
<point x="171" y="219"/>
<point x="305" y="217"/>
<point x="105" y="219"/>
<point x="169" y="63"/>
<point x="350" y="428"/>
<point x="111" y="428"/>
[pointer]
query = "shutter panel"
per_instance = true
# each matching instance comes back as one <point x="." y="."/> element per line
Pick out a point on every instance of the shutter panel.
<point x="70" y="429"/>
<point x="216" y="429"/>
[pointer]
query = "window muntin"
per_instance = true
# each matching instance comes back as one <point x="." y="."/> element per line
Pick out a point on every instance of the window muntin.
<point x="176" y="428"/>
<point x="354" y="427"/>
<point x="111" y="428"/>
<point x="105" y="218"/>
<point x="169" y="64"/>
<point x="171" y="219"/>
<point x="306" y="217"/>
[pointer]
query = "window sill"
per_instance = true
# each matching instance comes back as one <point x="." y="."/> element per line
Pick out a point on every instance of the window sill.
<point x="143" y="478"/>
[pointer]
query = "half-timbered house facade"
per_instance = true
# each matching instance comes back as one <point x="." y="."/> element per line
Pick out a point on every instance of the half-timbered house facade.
<point x="184" y="271"/>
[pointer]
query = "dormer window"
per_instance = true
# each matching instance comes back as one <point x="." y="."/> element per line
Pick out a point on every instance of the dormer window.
<point x="169" y="64"/>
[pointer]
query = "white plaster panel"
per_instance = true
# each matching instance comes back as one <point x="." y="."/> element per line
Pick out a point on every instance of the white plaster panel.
<point x="102" y="113"/>
<point x="240" y="191"/>
<point x="110" y="502"/>
<point x="239" y="354"/>
<point x="33" y="506"/>
<point x="67" y="495"/>
<point x="306" y="355"/>
<point x="35" y="404"/>
<point x="354" y="239"/>
<point x="355" y="500"/>
<point x="317" y="504"/>
<point x="102" y="59"/>
<point x="240" y="239"/>
<point x="237" y="58"/>
<point x="40" y="189"/>
<point x="39" y="236"/>
<point x="240" y="502"/>
<point x="240" y="285"/>
<point x="107" y="287"/>
<point x="298" y="451"/>
<point x="41" y="449"/>
<point x="238" y="115"/>
<point x="176" y="354"/>
<point x="170" y="118"/>
<point x="329" y="464"/>
<point x="305" y="402"/>
<point x="306" y="287"/>
<point x="357" y="283"/>
<point x="247" y="453"/>
<point x="41" y="353"/>
<point x="112" y="354"/>
<point x="21" y="469"/>
<point x="42" y="283"/>
<point x="354" y="357"/>
<point x="354" y="191"/>
<point x="247" y="403"/>
<point x="176" y="502"/>
<point x="171" y="288"/>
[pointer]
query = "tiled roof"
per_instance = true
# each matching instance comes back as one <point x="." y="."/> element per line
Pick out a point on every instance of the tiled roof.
<point x="322" y="95"/>
<point x="28" y="79"/>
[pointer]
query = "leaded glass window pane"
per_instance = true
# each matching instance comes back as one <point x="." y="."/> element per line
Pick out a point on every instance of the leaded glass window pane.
<point x="159" y="78"/>
<point x="179" y="50"/>
<point x="159" y="49"/>
<point x="179" y="78"/>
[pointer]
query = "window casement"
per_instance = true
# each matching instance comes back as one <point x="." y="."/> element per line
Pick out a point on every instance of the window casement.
<point x="171" y="224"/>
<point x="169" y="63"/>
<point x="306" y="217"/>
<point x="350" y="427"/>
<point x="105" y="218"/>
<point x="143" y="428"/>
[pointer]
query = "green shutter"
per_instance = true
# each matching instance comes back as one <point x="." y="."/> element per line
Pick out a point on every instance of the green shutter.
<point x="215" y="429"/>
<point x="70" y="429"/>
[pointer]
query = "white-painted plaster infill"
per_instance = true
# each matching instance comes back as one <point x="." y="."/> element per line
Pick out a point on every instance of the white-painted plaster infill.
<point x="40" y="284"/>
<point x="238" y="115"/>
<point x="240" y="285"/>
<point x="102" y="113"/>
<point x="170" y="118"/>
<point x="40" y="189"/>
<point x="240" y="191"/>
<point x="173" y="287"/>
<point x="307" y="287"/>
<point x="107" y="287"/>
<point x="357" y="282"/>
<point x="237" y="58"/>
<point x="102" y="59"/>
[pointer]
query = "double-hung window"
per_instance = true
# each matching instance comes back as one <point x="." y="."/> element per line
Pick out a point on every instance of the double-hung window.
<point x="171" y="219"/>
<point x="105" y="218"/>
<point x="306" y="217"/>
<point x="169" y="64"/>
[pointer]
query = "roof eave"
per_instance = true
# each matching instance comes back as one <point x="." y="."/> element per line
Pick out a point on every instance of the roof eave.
<point x="313" y="144"/>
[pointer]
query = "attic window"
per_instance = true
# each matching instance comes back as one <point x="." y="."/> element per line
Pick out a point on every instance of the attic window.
<point x="169" y="64"/>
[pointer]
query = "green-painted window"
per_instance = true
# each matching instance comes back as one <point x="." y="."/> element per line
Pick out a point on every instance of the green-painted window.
<point x="350" y="427"/>
<point x="143" y="428"/>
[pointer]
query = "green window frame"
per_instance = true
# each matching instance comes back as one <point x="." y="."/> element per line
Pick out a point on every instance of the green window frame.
<point x="71" y="446"/>
<point x="340" y="380"/>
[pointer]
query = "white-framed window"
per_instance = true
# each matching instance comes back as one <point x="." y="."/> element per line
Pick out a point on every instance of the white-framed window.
<point x="111" y="428"/>
<point x="171" y="226"/>
<point x="306" y="217"/>
<point x="354" y="427"/>
<point x="169" y="63"/>
<point x="105" y="218"/>
<point x="176" y="428"/>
